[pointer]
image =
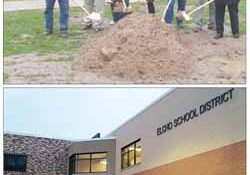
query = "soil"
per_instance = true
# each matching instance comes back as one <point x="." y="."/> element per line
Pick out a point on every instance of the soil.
<point x="37" y="69"/>
<point x="139" y="49"/>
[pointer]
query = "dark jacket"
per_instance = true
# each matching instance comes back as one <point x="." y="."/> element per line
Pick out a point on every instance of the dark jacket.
<point x="227" y="1"/>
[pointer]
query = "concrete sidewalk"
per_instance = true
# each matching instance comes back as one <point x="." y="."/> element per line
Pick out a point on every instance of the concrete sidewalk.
<point x="35" y="4"/>
<point x="30" y="5"/>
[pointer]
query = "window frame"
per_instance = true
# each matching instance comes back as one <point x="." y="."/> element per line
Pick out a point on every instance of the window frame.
<point x="126" y="153"/>
<point x="73" y="158"/>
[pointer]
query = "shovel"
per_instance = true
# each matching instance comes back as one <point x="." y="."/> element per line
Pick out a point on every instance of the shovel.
<point x="186" y="17"/>
<point x="93" y="16"/>
<point x="165" y="10"/>
<point x="124" y="5"/>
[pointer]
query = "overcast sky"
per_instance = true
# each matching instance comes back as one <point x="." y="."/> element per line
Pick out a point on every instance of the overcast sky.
<point x="73" y="113"/>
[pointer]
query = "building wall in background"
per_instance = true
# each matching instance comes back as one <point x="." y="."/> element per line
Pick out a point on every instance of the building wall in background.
<point x="97" y="145"/>
<point x="228" y="160"/>
<point x="219" y="127"/>
<point x="44" y="156"/>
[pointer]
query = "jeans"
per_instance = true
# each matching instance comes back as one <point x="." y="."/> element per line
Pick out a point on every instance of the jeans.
<point x="199" y="15"/>
<point x="116" y="15"/>
<point x="64" y="15"/>
<point x="170" y="12"/>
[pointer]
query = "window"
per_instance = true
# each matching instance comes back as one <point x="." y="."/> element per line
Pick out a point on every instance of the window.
<point x="131" y="154"/>
<point x="13" y="162"/>
<point x="88" y="163"/>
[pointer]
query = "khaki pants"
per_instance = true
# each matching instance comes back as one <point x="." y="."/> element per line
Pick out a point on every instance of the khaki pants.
<point x="199" y="15"/>
<point x="99" y="8"/>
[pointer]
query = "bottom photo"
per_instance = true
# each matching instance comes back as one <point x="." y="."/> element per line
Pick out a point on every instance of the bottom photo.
<point x="125" y="131"/>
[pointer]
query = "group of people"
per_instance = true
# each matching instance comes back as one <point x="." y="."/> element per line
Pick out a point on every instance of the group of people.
<point x="215" y="22"/>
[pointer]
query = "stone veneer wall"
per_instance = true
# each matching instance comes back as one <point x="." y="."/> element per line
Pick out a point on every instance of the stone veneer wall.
<point x="44" y="156"/>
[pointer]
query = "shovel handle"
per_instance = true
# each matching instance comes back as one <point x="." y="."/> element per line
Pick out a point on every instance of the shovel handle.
<point x="200" y="7"/>
<point x="82" y="7"/>
<point x="124" y="4"/>
<point x="165" y="10"/>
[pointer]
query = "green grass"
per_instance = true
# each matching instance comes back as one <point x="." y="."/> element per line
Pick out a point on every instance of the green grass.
<point x="191" y="3"/>
<point x="23" y="33"/>
<point x="23" y="30"/>
<point x="5" y="76"/>
<point x="242" y="16"/>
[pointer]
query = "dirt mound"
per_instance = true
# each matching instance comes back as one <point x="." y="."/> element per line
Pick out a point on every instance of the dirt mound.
<point x="139" y="46"/>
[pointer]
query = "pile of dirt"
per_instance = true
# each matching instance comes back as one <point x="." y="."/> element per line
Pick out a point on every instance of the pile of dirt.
<point x="138" y="47"/>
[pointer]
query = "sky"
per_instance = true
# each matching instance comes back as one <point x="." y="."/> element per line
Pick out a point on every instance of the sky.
<point x="73" y="113"/>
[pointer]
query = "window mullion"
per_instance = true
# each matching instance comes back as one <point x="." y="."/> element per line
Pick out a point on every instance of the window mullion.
<point x="90" y="169"/>
<point x="135" y="153"/>
<point x="126" y="153"/>
<point x="77" y="163"/>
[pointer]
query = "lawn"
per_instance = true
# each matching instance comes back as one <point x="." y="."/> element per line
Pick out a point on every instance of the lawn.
<point x="23" y="30"/>
<point x="23" y="33"/>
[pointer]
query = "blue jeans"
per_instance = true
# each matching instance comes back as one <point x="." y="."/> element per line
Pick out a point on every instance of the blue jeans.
<point x="116" y="15"/>
<point x="170" y="12"/>
<point x="64" y="15"/>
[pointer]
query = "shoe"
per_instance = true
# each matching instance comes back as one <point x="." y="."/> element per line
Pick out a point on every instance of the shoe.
<point x="112" y="23"/>
<point x="87" y="27"/>
<point x="98" y="28"/>
<point x="236" y="35"/>
<point x="48" y="32"/>
<point x="197" y="29"/>
<point x="218" y="36"/>
<point x="180" y="26"/>
<point x="64" y="35"/>
<point x="213" y="28"/>
<point x="179" y="23"/>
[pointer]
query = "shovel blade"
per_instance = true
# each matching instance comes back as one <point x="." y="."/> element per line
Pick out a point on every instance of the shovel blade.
<point x="188" y="18"/>
<point x="182" y="15"/>
<point x="94" y="16"/>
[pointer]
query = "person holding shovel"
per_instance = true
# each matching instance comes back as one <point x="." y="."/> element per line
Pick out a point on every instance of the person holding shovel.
<point x="199" y="15"/>
<point x="220" y="6"/>
<point x="49" y="17"/>
<point x="118" y="8"/>
<point x="170" y="12"/>
<point x="99" y="6"/>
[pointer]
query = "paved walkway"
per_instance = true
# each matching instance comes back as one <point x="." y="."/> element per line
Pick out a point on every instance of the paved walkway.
<point x="34" y="4"/>
<point x="29" y="5"/>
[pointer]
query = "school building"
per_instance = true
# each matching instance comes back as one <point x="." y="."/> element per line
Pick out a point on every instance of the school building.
<point x="191" y="131"/>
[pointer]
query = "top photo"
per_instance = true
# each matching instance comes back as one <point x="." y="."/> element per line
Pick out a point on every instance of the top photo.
<point x="124" y="42"/>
